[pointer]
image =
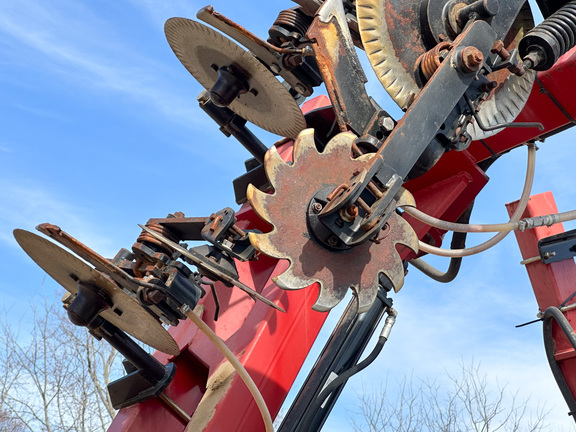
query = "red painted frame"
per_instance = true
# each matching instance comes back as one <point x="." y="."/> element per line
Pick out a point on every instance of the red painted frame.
<point x="271" y="345"/>
<point x="552" y="283"/>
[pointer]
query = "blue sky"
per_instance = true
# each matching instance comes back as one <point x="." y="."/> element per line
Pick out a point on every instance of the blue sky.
<point x="100" y="130"/>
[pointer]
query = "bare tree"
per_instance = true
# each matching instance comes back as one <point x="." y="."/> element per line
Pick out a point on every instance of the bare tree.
<point x="9" y="423"/>
<point x="53" y="375"/>
<point x="470" y="404"/>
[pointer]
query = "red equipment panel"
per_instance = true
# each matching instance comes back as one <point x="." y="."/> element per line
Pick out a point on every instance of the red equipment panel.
<point x="552" y="283"/>
<point x="550" y="103"/>
<point x="270" y="344"/>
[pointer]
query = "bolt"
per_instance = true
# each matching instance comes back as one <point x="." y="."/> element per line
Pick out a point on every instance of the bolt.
<point x="316" y="208"/>
<point x="489" y="86"/>
<point x="204" y="97"/>
<point x="333" y="241"/>
<point x="352" y="212"/>
<point x="472" y="58"/>
<point x="386" y="124"/>
<point x="483" y="8"/>
<point x="498" y="48"/>
<point x="293" y="61"/>
<point x="549" y="255"/>
<point x="153" y="296"/>
<point x="517" y="69"/>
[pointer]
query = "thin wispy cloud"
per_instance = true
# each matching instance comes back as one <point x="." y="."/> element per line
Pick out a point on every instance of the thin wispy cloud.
<point x="69" y="41"/>
<point x="158" y="12"/>
<point x="27" y="205"/>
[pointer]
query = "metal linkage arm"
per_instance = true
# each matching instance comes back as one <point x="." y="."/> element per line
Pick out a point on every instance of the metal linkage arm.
<point x="437" y="105"/>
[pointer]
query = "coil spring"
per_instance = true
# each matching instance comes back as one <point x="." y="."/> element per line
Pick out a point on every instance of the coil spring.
<point x="289" y="21"/>
<point x="144" y="237"/>
<point x="431" y="60"/>
<point x="552" y="38"/>
<point x="293" y="19"/>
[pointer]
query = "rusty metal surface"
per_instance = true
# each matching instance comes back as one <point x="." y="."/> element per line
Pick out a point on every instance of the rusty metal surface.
<point x="235" y="30"/>
<point x="394" y="38"/>
<point x="268" y="53"/>
<point x="185" y="228"/>
<point x="341" y="69"/>
<point x="125" y="312"/>
<point x="310" y="7"/>
<point x="430" y="61"/>
<point x="418" y="127"/>
<point x="204" y="51"/>
<point x="99" y="262"/>
<point x="295" y="185"/>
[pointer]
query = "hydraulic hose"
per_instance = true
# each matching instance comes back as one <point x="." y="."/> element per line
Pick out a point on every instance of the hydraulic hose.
<point x="458" y="242"/>
<point x="455" y="253"/>
<point x="522" y="225"/>
<point x="346" y="375"/>
<point x="553" y="313"/>
<point x="240" y="370"/>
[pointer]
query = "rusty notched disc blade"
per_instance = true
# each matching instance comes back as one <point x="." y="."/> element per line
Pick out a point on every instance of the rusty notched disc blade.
<point x="335" y="271"/>
<point x="203" y="51"/>
<point x="125" y="312"/>
<point x="393" y="39"/>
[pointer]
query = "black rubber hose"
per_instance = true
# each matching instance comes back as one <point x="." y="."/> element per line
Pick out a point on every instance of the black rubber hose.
<point x="346" y="375"/>
<point x="458" y="242"/>
<point x="553" y="313"/>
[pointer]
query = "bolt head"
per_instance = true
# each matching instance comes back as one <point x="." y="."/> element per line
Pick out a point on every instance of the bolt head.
<point x="316" y="207"/>
<point x="497" y="47"/>
<point x="352" y="212"/>
<point x="154" y="296"/>
<point x="472" y="58"/>
<point x="489" y="86"/>
<point x="386" y="124"/>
